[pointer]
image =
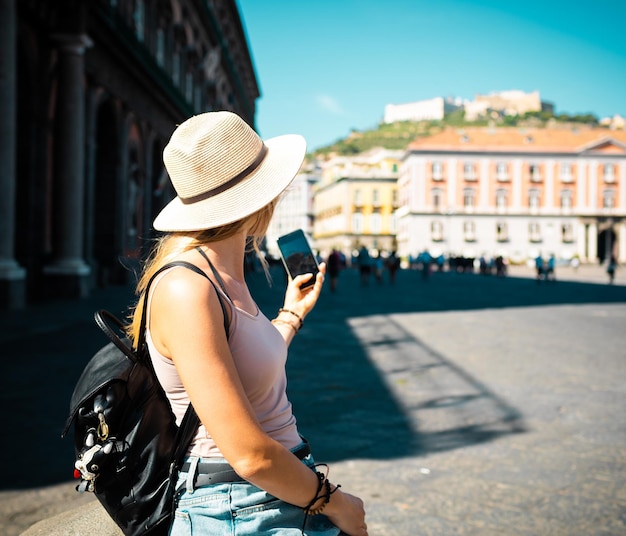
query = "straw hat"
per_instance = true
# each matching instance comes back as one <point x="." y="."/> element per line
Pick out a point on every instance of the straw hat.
<point x="222" y="171"/>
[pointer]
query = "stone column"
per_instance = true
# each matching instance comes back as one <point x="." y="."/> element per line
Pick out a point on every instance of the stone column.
<point x="621" y="242"/>
<point x="592" y="242"/>
<point x="12" y="276"/>
<point x="68" y="273"/>
<point x="581" y="241"/>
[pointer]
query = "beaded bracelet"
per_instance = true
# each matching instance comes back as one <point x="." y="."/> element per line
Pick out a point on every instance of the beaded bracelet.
<point x="323" y="482"/>
<point x="320" y="508"/>
<point x="293" y="313"/>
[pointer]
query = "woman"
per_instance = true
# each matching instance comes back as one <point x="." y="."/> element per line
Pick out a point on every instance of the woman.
<point x="248" y="470"/>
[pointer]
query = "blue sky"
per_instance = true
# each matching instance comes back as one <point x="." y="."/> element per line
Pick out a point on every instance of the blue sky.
<point x="326" y="67"/>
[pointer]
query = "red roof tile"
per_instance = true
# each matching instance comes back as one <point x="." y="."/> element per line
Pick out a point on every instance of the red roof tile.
<point x="514" y="139"/>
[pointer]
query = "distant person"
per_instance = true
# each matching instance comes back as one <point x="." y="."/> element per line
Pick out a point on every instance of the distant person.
<point x="482" y="265"/>
<point x="393" y="265"/>
<point x="379" y="265"/>
<point x="333" y="267"/>
<point x="365" y="265"/>
<point x="441" y="261"/>
<point x="610" y="269"/>
<point x="539" y="267"/>
<point x="426" y="264"/>
<point x="575" y="262"/>
<point x="550" y="269"/>
<point x="500" y="266"/>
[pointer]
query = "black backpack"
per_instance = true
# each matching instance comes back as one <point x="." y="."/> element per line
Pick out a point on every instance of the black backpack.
<point x="128" y="447"/>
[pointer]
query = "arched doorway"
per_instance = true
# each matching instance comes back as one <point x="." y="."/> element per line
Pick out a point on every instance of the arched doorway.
<point x="607" y="244"/>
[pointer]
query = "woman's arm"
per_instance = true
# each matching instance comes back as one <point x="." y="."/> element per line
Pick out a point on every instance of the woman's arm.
<point x="298" y="303"/>
<point x="187" y="326"/>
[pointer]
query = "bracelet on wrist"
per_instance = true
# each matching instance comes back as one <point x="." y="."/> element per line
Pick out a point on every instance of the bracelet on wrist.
<point x="293" y="313"/>
<point x="323" y="484"/>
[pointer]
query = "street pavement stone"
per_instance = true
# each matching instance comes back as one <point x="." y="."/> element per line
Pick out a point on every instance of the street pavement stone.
<point x="458" y="404"/>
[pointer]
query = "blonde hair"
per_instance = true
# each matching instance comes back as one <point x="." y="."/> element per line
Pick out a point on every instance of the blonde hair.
<point x="170" y="245"/>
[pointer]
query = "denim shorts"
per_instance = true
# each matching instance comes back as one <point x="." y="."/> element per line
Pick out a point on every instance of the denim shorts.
<point x="242" y="509"/>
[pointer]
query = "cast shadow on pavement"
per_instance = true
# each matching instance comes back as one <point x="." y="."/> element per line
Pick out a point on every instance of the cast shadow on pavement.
<point x="343" y="398"/>
<point x="362" y="386"/>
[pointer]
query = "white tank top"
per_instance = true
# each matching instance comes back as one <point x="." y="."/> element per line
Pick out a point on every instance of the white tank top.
<point x="260" y="354"/>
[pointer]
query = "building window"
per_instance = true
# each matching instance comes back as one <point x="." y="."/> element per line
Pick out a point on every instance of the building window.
<point x="469" y="172"/>
<point x="436" y="231"/>
<point x="437" y="171"/>
<point x="501" y="199"/>
<point x="358" y="201"/>
<point x="436" y="196"/>
<point x="189" y="86"/>
<point x="197" y="97"/>
<point x="469" y="231"/>
<point x="393" y="223"/>
<point x="394" y="197"/>
<point x="160" y="46"/>
<point x="566" y="199"/>
<point x="534" y="198"/>
<point x="609" y="173"/>
<point x="502" y="172"/>
<point x="608" y="199"/>
<point x="376" y="221"/>
<point x="468" y="198"/>
<point x="567" y="233"/>
<point x="502" y="232"/>
<point x="566" y="173"/>
<point x="376" y="198"/>
<point x="357" y="223"/>
<point x="176" y="68"/>
<point x="534" y="232"/>
<point x="139" y="19"/>
<point x="535" y="173"/>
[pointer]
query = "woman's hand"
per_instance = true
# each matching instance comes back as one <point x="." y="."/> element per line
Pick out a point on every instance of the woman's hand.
<point x="347" y="513"/>
<point x="300" y="300"/>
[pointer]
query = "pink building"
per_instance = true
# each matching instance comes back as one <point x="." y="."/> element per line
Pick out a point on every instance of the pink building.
<point x="516" y="192"/>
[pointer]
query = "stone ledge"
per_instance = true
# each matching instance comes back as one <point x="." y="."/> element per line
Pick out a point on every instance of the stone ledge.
<point x="85" y="520"/>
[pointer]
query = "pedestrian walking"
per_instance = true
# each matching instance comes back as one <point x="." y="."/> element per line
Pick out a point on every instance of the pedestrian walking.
<point x="539" y="267"/>
<point x="379" y="265"/>
<point x="365" y="265"/>
<point x="551" y="269"/>
<point x="610" y="269"/>
<point x="333" y="267"/>
<point x="393" y="265"/>
<point x="426" y="264"/>
<point x="247" y="464"/>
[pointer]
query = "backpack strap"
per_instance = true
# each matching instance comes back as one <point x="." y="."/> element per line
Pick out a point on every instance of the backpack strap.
<point x="191" y="421"/>
<point x="144" y="312"/>
<point x="216" y="274"/>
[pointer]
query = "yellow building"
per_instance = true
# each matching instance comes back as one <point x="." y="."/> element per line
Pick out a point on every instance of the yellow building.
<point x="355" y="200"/>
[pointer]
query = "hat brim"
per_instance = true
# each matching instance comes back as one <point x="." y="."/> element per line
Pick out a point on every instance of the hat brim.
<point x="281" y="164"/>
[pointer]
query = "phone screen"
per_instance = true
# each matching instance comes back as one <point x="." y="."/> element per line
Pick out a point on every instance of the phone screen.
<point x="297" y="255"/>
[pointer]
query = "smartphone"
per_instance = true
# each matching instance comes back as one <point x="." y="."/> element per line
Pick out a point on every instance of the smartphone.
<point x="297" y="256"/>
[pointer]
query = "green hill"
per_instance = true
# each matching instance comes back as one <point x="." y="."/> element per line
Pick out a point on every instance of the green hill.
<point x="399" y="134"/>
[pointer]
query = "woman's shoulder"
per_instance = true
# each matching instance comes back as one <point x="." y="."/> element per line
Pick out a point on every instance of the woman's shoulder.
<point x="181" y="286"/>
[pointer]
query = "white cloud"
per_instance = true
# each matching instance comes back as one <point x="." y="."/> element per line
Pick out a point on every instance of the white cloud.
<point x="330" y="104"/>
